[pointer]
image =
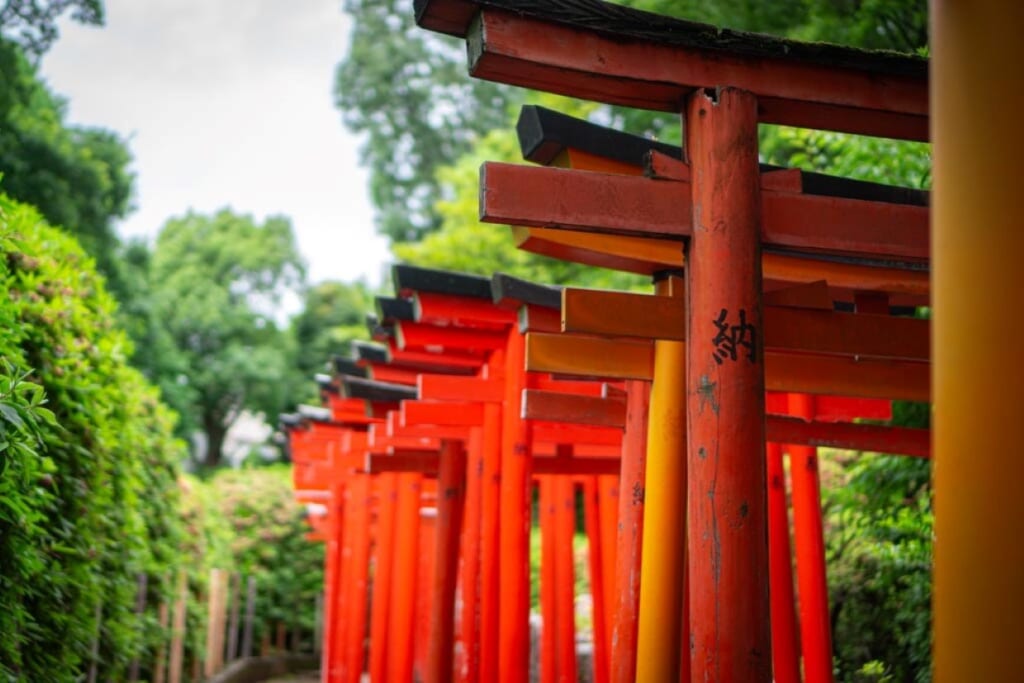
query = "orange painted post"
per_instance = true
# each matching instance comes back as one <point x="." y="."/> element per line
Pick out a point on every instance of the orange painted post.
<point x="514" y="534"/>
<point x="608" y="498"/>
<point x="451" y="500"/>
<point x="628" y="543"/>
<point x="402" y="603"/>
<point x="815" y="625"/>
<point x="331" y="590"/>
<point x="592" y="509"/>
<point x="728" y="535"/>
<point x="662" y="620"/>
<point x="468" y="668"/>
<point x="979" y="379"/>
<point x="336" y="674"/>
<point x="785" y="651"/>
<point x="359" y="510"/>
<point x="565" y="580"/>
<point x="383" y="570"/>
<point x="490" y="500"/>
<point x="424" y="597"/>
<point x="548" y="580"/>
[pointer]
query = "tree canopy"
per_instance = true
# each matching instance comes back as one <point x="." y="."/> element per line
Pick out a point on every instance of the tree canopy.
<point x="215" y="283"/>
<point x="33" y="23"/>
<point x="78" y="177"/>
<point x="406" y="92"/>
<point x="333" y="315"/>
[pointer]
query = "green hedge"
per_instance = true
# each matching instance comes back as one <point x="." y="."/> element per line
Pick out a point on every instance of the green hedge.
<point x="88" y="484"/>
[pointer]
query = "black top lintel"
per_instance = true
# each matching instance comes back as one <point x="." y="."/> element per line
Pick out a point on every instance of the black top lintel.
<point x="543" y="134"/>
<point x="372" y="353"/>
<point x="409" y="279"/>
<point x="347" y="366"/>
<point x="371" y="390"/>
<point x="506" y="289"/>
<point x="455" y="17"/>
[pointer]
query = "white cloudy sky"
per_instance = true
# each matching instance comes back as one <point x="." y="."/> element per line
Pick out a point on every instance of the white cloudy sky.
<point x="228" y="103"/>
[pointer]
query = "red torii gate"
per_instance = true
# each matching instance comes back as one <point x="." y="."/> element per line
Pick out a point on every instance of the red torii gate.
<point x="628" y="60"/>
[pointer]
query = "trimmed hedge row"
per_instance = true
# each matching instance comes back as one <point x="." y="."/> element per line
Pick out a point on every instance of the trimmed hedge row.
<point x="89" y="498"/>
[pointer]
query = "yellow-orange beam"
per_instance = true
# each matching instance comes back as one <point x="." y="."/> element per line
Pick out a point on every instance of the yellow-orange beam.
<point x="589" y="356"/>
<point x="977" y="99"/>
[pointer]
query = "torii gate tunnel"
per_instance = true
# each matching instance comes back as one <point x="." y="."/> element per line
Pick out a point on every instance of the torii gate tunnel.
<point x="781" y="313"/>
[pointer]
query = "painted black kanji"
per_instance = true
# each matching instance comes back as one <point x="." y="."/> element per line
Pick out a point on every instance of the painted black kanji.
<point x="732" y="340"/>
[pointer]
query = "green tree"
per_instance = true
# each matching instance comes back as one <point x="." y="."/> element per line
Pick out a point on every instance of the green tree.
<point x="465" y="244"/>
<point x="77" y="177"/>
<point x="406" y="91"/>
<point x="34" y="24"/>
<point x="333" y="315"/>
<point x="216" y="283"/>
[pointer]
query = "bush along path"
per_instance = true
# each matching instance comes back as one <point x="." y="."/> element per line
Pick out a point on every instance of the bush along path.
<point x="88" y="469"/>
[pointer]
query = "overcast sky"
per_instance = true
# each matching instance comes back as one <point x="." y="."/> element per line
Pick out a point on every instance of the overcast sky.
<point x="228" y="103"/>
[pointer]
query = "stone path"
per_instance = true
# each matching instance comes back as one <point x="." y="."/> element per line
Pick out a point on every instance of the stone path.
<point x="297" y="678"/>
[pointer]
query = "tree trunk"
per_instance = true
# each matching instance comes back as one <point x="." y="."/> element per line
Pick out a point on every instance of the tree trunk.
<point x="215" y="431"/>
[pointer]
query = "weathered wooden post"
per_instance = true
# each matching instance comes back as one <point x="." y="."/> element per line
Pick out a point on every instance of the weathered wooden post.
<point x="160" y="661"/>
<point x="725" y="393"/>
<point x="235" y="602"/>
<point x="250" y="616"/>
<point x="175" y="667"/>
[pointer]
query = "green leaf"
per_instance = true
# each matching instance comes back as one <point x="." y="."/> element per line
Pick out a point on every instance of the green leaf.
<point x="10" y="413"/>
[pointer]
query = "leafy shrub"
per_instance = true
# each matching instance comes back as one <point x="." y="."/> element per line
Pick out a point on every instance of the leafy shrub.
<point x="268" y="542"/>
<point x="89" y="491"/>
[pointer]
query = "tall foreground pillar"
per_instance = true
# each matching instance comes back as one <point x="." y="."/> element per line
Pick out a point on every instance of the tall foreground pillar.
<point x="727" y="521"/>
<point x="977" y="97"/>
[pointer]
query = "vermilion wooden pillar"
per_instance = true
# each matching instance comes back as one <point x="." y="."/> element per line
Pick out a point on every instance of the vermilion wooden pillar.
<point x="332" y="589"/>
<point x="490" y="501"/>
<point x="514" y="534"/>
<point x="451" y="498"/>
<point x="730" y="622"/>
<point x="785" y="651"/>
<point x="383" y="570"/>
<point x="815" y="625"/>
<point x="406" y="559"/>
<point x="423" y="592"/>
<point x="339" y="636"/>
<point x="565" y="613"/>
<point x="592" y="510"/>
<point x="359" y="510"/>
<point x="468" y="668"/>
<point x="630" y="532"/>
<point x="608" y="499"/>
<point x="548" y="579"/>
